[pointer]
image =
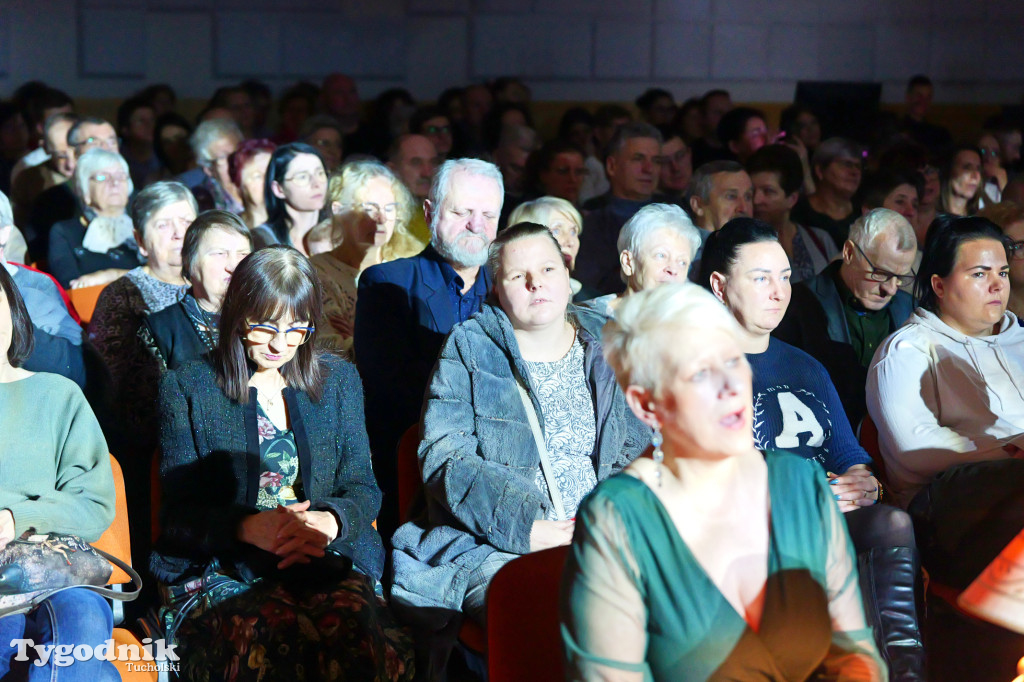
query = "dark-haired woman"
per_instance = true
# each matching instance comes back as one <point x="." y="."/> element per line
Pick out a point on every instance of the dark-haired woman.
<point x="269" y="497"/>
<point x="295" y="190"/>
<point x="947" y="393"/>
<point x="56" y="479"/>
<point x="962" y="186"/>
<point x="215" y="243"/>
<point x="247" y="167"/>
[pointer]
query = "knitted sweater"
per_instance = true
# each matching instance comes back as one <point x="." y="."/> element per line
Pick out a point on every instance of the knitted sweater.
<point x="796" y="408"/>
<point x="54" y="464"/>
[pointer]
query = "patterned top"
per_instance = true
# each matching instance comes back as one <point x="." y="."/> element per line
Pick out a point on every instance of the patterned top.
<point x="114" y="331"/>
<point x="570" y="426"/>
<point x="339" y="281"/>
<point x="280" y="483"/>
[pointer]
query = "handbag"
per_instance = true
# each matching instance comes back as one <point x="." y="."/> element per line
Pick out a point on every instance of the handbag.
<point x="35" y="567"/>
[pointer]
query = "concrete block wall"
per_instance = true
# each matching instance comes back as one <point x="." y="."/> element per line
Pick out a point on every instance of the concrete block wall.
<point x="565" y="49"/>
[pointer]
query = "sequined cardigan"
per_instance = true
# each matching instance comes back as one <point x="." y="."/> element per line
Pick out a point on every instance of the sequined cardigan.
<point x="210" y="467"/>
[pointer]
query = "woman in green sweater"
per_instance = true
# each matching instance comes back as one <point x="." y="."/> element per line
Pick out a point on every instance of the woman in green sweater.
<point x="55" y="478"/>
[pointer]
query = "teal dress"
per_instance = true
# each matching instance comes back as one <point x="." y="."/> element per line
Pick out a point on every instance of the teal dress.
<point x="630" y="575"/>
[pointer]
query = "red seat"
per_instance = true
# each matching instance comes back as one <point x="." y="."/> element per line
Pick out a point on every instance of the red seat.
<point x="410" y="479"/>
<point x="524" y="640"/>
<point x="869" y="441"/>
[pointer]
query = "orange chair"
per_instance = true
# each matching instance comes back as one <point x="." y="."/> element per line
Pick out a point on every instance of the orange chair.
<point x="84" y="300"/>
<point x="524" y="640"/>
<point x="410" y="478"/>
<point x="116" y="541"/>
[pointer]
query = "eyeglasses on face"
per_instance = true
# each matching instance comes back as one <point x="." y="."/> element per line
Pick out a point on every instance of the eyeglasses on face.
<point x="306" y="177"/>
<point x="376" y="210"/>
<point x="883" y="276"/>
<point x="438" y="130"/>
<point x="1017" y="250"/>
<point x="293" y="336"/>
<point x="109" y="178"/>
<point x="108" y="143"/>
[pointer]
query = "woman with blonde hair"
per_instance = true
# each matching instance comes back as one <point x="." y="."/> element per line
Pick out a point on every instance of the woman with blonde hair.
<point x="370" y="213"/>
<point x="566" y="223"/>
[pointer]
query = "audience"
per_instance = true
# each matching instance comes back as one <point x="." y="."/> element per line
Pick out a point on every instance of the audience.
<point x="607" y="120"/>
<point x="370" y="212"/>
<point x="962" y="186"/>
<point x="56" y="480"/>
<point x="557" y="169"/>
<point x="171" y="145"/>
<point x="944" y="393"/>
<point x="522" y="419"/>
<point x="837" y="165"/>
<point x="719" y="191"/>
<point x="290" y="543"/>
<point x="57" y="338"/>
<point x="713" y="105"/>
<point x="214" y="244"/>
<point x="919" y="95"/>
<point x="994" y="176"/>
<point x="1009" y="216"/>
<point x="657" y="107"/>
<point x="743" y="131"/>
<point x="676" y="169"/>
<point x="413" y="158"/>
<point x="97" y="247"/>
<point x="135" y="126"/>
<point x="777" y="176"/>
<point x="247" y="169"/>
<point x="324" y="133"/>
<point x="693" y="565"/>
<point x="213" y="142"/>
<point x="566" y="224"/>
<point x="797" y="409"/>
<point x="294" y="191"/>
<point x="634" y="155"/>
<point x="27" y="185"/>
<point x="841" y="316"/>
<point x="405" y="308"/>
<point x="656" y="246"/>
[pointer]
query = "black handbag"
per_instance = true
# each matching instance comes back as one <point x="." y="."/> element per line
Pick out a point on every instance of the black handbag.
<point x="35" y="567"/>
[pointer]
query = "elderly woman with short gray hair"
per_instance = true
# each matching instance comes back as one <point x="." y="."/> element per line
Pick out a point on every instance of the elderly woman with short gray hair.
<point x="212" y="143"/>
<point x="95" y="247"/>
<point x="656" y="246"/>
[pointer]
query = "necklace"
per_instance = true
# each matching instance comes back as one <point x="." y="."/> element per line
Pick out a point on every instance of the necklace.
<point x="269" y="400"/>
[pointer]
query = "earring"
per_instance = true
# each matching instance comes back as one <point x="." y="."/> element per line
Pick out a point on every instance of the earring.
<point x="657" y="455"/>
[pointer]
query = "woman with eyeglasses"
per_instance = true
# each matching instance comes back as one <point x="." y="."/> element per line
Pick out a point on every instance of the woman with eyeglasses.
<point x="295" y="190"/>
<point x="370" y="212"/>
<point x="97" y="246"/>
<point x="268" y="556"/>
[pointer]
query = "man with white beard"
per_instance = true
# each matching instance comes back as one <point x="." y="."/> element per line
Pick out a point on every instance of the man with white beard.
<point x="405" y="308"/>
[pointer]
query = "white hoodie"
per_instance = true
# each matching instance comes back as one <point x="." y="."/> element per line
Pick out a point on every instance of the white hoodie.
<point x="941" y="398"/>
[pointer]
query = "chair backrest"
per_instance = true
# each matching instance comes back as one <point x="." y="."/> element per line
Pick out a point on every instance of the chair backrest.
<point x="869" y="441"/>
<point x="409" y="477"/>
<point x="84" y="300"/>
<point x="524" y="641"/>
<point x="116" y="540"/>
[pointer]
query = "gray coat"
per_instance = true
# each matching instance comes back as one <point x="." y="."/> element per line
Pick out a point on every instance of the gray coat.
<point x="479" y="459"/>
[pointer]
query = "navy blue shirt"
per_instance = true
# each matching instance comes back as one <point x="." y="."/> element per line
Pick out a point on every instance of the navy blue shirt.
<point x="464" y="304"/>
<point x="796" y="408"/>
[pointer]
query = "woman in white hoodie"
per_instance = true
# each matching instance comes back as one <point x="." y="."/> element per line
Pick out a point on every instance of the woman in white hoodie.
<point x="947" y="393"/>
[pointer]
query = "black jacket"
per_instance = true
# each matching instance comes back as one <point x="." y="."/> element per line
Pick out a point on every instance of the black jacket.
<point x="211" y="466"/>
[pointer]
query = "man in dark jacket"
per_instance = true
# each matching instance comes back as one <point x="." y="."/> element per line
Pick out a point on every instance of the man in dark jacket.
<point x="405" y="309"/>
<point x="843" y="314"/>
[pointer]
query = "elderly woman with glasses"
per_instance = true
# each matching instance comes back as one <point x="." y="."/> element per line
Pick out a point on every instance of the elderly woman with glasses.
<point x="268" y="554"/>
<point x="370" y="212"/>
<point x="656" y="246"/>
<point x="295" y="191"/>
<point x="96" y="247"/>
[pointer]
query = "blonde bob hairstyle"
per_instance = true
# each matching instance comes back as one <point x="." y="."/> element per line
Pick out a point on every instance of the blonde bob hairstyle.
<point x="543" y="210"/>
<point x="648" y="325"/>
<point x="345" y="187"/>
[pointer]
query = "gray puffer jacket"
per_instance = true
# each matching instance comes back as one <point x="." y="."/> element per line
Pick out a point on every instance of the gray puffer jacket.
<point x="479" y="458"/>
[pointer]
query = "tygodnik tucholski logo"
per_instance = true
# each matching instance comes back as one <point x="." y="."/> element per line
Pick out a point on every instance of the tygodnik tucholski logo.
<point x="152" y="656"/>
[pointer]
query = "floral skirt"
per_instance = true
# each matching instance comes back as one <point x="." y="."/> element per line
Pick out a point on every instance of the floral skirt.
<point x="268" y="631"/>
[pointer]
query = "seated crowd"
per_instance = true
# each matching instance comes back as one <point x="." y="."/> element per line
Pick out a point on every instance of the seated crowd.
<point x="650" y="341"/>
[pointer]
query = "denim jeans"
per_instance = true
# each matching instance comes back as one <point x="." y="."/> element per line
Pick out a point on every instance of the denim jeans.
<point x="74" y="617"/>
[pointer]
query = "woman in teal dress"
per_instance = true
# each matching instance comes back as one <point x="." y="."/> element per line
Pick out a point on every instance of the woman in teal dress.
<point x="708" y="561"/>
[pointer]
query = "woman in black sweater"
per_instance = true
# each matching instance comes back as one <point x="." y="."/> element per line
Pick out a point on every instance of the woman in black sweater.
<point x="269" y="497"/>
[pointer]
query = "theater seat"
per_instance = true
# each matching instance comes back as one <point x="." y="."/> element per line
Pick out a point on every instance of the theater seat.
<point x="524" y="639"/>
<point x="84" y="300"/>
<point x="409" y="476"/>
<point x="869" y="441"/>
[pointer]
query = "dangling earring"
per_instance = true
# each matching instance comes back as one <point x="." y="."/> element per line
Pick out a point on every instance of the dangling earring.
<point x="657" y="455"/>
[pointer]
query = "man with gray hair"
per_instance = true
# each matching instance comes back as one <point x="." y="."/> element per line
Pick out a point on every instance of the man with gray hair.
<point x="633" y="167"/>
<point x="212" y="143"/>
<point x="405" y="308"/>
<point x="843" y="314"/>
<point x="58" y="338"/>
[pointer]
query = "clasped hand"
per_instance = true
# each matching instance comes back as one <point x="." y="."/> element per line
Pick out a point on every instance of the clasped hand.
<point x="856" y="488"/>
<point x="293" y="533"/>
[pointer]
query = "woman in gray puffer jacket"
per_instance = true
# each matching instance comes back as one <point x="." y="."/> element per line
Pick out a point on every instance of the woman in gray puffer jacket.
<point x="488" y="499"/>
